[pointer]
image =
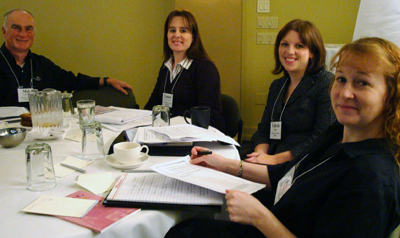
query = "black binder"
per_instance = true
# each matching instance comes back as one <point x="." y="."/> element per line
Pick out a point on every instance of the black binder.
<point x="164" y="206"/>
<point x="165" y="149"/>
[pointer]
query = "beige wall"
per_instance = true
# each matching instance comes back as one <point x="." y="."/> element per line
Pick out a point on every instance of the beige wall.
<point x="123" y="39"/>
<point x="335" y="19"/>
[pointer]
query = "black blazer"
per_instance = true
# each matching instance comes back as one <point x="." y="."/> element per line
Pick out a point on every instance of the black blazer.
<point x="307" y="114"/>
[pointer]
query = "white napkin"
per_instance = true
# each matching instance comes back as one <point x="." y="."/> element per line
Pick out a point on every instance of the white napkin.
<point x="50" y="132"/>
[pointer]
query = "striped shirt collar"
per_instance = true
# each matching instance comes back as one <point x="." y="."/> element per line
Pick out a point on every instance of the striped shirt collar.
<point x="178" y="68"/>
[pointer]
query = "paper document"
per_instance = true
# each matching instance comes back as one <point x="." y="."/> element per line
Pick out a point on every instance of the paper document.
<point x="212" y="179"/>
<point x="11" y="112"/>
<point x="180" y="133"/>
<point x="144" y="121"/>
<point x="60" y="206"/>
<point x="96" y="183"/>
<point x="122" y="116"/>
<point x="62" y="171"/>
<point x="156" y="188"/>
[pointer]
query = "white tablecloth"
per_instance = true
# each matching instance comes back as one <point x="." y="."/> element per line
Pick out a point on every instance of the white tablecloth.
<point x="14" y="196"/>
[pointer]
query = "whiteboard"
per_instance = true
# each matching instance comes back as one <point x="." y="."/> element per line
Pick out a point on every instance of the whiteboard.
<point x="380" y="18"/>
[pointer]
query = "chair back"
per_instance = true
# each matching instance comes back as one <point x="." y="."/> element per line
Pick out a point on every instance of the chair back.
<point x="232" y="118"/>
<point x="107" y="96"/>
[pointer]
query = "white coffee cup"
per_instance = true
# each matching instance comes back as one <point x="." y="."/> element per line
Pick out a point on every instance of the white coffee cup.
<point x="128" y="152"/>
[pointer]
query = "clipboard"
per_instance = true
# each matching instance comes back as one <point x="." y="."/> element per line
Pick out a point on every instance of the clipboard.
<point x="135" y="191"/>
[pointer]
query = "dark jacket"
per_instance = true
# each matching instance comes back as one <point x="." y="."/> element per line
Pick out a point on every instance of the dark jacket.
<point x="340" y="189"/>
<point x="45" y="75"/>
<point x="307" y="114"/>
<point x="197" y="86"/>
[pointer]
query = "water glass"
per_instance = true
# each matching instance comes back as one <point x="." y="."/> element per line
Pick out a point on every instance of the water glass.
<point x="39" y="167"/>
<point x="86" y="111"/>
<point x="92" y="141"/>
<point x="160" y="116"/>
<point x="68" y="108"/>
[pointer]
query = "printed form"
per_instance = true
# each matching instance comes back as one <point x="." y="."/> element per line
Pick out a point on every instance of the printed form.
<point x="180" y="133"/>
<point x="156" y="188"/>
<point x="212" y="179"/>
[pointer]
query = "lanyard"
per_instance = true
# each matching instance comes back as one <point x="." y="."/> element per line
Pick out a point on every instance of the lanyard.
<point x="297" y="165"/>
<point x="176" y="79"/>
<point x="19" y="86"/>
<point x="284" y="106"/>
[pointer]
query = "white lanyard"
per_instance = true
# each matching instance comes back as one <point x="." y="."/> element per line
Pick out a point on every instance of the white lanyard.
<point x="284" y="106"/>
<point x="176" y="80"/>
<point x="168" y="98"/>
<point x="19" y="86"/>
<point x="286" y="182"/>
<point x="276" y="126"/>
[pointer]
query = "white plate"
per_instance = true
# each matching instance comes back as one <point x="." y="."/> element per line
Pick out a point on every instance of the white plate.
<point x="114" y="163"/>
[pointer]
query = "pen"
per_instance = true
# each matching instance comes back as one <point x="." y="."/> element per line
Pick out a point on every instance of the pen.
<point x="204" y="152"/>
<point x="138" y="171"/>
<point x="74" y="168"/>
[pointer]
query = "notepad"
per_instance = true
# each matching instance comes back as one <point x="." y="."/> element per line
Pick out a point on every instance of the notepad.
<point x="60" y="206"/>
<point x="100" y="218"/>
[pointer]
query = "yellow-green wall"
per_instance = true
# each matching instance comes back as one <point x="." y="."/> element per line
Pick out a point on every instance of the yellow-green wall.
<point x="123" y="39"/>
<point x="334" y="18"/>
<point x="221" y="36"/>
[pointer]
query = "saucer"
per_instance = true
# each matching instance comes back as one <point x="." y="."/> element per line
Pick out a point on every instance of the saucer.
<point x="110" y="160"/>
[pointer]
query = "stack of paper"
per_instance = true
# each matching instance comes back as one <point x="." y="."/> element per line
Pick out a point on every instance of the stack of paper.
<point x="121" y="115"/>
<point x="186" y="187"/>
<point x="118" y="119"/>
<point x="180" y="133"/>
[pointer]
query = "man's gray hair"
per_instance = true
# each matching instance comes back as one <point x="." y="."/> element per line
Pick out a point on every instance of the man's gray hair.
<point x="14" y="10"/>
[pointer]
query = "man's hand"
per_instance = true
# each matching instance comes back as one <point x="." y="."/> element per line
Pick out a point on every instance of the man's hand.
<point x="119" y="85"/>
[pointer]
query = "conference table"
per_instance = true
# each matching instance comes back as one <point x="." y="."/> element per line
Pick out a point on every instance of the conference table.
<point x="14" y="195"/>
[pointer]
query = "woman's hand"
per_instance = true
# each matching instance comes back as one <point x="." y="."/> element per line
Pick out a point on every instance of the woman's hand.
<point x="262" y="158"/>
<point x="213" y="160"/>
<point x="244" y="208"/>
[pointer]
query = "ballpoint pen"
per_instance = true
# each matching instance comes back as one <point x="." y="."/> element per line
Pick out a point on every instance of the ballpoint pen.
<point x="73" y="167"/>
<point x="138" y="171"/>
<point x="204" y="152"/>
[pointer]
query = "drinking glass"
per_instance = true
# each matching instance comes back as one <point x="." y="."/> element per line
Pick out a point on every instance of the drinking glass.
<point x="68" y="108"/>
<point x="160" y="116"/>
<point x="39" y="167"/>
<point x="86" y="111"/>
<point x="92" y="141"/>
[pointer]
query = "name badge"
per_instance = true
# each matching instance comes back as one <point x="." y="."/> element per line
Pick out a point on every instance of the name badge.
<point x="276" y="130"/>
<point x="284" y="184"/>
<point x="167" y="99"/>
<point x="23" y="94"/>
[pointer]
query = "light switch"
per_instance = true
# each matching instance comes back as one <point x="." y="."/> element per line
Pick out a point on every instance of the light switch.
<point x="263" y="6"/>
